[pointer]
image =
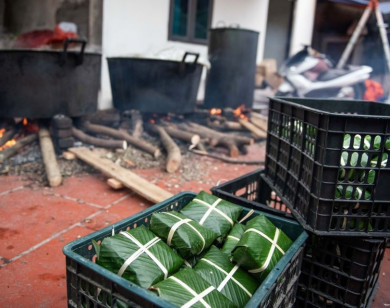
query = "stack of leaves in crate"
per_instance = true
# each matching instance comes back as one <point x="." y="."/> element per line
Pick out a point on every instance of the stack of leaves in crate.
<point x="138" y="255"/>
<point x="179" y="256"/>
<point x="360" y="163"/>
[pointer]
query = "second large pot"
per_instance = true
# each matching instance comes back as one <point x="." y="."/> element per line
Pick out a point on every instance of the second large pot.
<point x="154" y="85"/>
<point x="231" y="80"/>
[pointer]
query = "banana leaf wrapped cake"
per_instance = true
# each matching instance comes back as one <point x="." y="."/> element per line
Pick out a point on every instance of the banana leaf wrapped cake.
<point x="139" y="256"/>
<point x="185" y="235"/>
<point x="228" y="278"/>
<point x="233" y="238"/>
<point x="188" y="289"/>
<point x="213" y="213"/>
<point x="261" y="246"/>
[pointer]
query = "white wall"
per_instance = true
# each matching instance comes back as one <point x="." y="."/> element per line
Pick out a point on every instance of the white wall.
<point x="141" y="27"/>
<point x="303" y="24"/>
<point x="248" y="14"/>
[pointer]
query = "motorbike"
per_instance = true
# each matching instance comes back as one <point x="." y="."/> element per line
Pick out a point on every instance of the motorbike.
<point x="309" y="73"/>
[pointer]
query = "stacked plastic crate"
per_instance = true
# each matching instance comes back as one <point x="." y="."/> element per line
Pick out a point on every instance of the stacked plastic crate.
<point x="327" y="162"/>
<point x="91" y="285"/>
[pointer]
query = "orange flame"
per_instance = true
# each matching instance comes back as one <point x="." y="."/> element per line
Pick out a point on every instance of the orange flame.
<point x="215" y="111"/>
<point x="239" y="110"/>
<point x="8" y="144"/>
<point x="244" y="117"/>
<point x="25" y="121"/>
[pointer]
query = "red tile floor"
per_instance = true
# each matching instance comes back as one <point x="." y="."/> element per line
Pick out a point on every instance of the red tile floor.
<point x="36" y="222"/>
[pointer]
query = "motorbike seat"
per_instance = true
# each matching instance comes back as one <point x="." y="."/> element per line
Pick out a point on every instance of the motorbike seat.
<point x="334" y="73"/>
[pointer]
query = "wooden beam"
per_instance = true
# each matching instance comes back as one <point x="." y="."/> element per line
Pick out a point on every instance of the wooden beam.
<point x="52" y="169"/>
<point x="257" y="132"/>
<point x="129" y="179"/>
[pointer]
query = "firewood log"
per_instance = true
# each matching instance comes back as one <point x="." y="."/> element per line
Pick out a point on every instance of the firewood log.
<point x="8" y="135"/>
<point x="52" y="169"/>
<point x="6" y="153"/>
<point x="257" y="132"/>
<point x="225" y="125"/>
<point x="122" y="135"/>
<point x="217" y="135"/>
<point x="104" y="143"/>
<point x="137" y="124"/>
<point x="182" y="135"/>
<point x="173" y="151"/>
<point x="263" y="125"/>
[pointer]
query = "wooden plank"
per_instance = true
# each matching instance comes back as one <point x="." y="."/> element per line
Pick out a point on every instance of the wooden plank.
<point x="114" y="184"/>
<point x="53" y="172"/>
<point x="129" y="179"/>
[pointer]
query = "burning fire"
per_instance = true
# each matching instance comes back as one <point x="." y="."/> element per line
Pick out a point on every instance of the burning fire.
<point x="9" y="143"/>
<point x="215" y="111"/>
<point x="28" y="127"/>
<point x="239" y="112"/>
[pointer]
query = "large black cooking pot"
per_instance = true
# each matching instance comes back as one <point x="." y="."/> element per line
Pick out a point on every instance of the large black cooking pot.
<point x="154" y="85"/>
<point x="231" y="79"/>
<point x="40" y="83"/>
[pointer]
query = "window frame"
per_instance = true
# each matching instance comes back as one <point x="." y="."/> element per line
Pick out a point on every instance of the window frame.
<point x="190" y="37"/>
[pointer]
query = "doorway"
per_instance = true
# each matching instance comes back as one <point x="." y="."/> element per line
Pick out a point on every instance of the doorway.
<point x="279" y="25"/>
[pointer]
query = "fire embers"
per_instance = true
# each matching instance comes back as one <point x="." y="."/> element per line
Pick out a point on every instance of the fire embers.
<point x="15" y="134"/>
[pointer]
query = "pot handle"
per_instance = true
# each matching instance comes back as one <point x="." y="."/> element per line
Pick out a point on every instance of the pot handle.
<point x="190" y="54"/>
<point x="81" y="41"/>
<point x="182" y="65"/>
<point x="234" y="26"/>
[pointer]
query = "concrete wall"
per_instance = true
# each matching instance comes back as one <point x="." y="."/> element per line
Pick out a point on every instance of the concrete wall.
<point x="26" y="15"/>
<point x="303" y="23"/>
<point x="141" y="27"/>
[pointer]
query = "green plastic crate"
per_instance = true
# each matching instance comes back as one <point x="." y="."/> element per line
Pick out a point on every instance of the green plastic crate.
<point x="90" y="285"/>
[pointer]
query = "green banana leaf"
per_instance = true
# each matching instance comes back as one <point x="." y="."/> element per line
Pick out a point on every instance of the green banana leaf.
<point x="261" y="246"/>
<point x="349" y="193"/>
<point x="383" y="163"/>
<point x="233" y="238"/>
<point x="192" y="261"/>
<point x="188" y="289"/>
<point x="213" y="213"/>
<point x="122" y="254"/>
<point x="228" y="278"/>
<point x="187" y="236"/>
<point x="377" y="142"/>
<point x="387" y="144"/>
<point x="357" y="142"/>
<point x="349" y="218"/>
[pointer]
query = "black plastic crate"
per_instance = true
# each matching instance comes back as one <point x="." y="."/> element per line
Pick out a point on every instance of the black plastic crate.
<point x="328" y="161"/>
<point x="251" y="190"/>
<point x="90" y="285"/>
<point x="339" y="272"/>
<point x="336" y="271"/>
<point x="318" y="300"/>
